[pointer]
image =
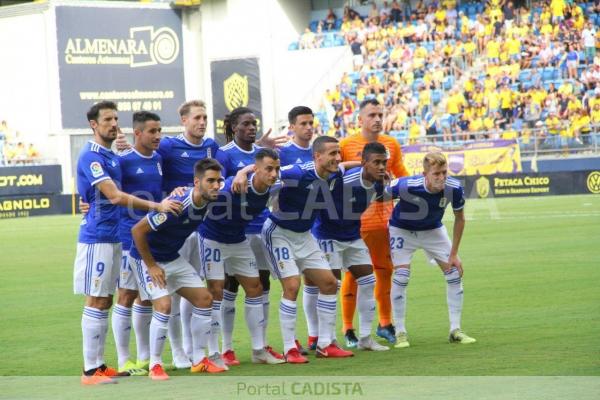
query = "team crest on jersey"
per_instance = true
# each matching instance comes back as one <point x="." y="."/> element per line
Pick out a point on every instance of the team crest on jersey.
<point x="159" y="218"/>
<point x="96" y="282"/>
<point x="236" y="91"/>
<point x="208" y="266"/>
<point x="113" y="163"/>
<point x="96" y="169"/>
<point x="443" y="202"/>
<point x="159" y="168"/>
<point x="281" y="264"/>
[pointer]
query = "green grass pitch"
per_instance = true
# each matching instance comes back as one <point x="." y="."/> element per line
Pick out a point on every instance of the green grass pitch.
<point x="532" y="299"/>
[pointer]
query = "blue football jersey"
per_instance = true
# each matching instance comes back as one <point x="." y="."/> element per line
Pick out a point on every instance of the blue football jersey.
<point x="290" y="153"/>
<point x="170" y="231"/>
<point x="101" y="223"/>
<point x="233" y="158"/>
<point x="302" y="195"/>
<point x="141" y="177"/>
<point x="350" y="199"/>
<point x="420" y="210"/>
<point x="179" y="157"/>
<point x="229" y="216"/>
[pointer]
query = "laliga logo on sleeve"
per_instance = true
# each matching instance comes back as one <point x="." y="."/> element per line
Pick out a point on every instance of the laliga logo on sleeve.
<point x="159" y="218"/>
<point x="96" y="169"/>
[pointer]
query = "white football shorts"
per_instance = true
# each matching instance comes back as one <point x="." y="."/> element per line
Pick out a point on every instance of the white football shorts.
<point x="96" y="269"/>
<point x="342" y="255"/>
<point x="179" y="273"/>
<point x="218" y="259"/>
<point x="289" y="252"/>
<point x="435" y="243"/>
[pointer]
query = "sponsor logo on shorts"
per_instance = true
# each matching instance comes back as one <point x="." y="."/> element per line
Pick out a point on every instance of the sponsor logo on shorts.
<point x="96" y="169"/>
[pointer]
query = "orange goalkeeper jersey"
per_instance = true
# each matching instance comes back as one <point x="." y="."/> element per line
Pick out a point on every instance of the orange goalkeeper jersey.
<point x="376" y="217"/>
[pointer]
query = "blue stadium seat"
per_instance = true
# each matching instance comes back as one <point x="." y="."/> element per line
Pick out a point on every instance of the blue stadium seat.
<point x="293" y="46"/>
<point x="313" y="25"/>
<point x="436" y="96"/>
<point x="417" y="83"/>
<point x="339" y="40"/>
<point x="355" y="76"/>
<point x="548" y="74"/>
<point x="471" y="10"/>
<point x="448" y="82"/>
<point x="525" y="75"/>
<point x="338" y="24"/>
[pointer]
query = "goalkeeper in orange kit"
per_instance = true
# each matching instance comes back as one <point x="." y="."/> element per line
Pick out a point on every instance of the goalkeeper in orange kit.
<point x="374" y="224"/>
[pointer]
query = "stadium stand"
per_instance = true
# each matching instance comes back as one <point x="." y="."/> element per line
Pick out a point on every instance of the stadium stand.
<point x="465" y="71"/>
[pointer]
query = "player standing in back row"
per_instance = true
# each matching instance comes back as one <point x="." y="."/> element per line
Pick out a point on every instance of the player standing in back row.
<point x="416" y="223"/>
<point x="141" y="169"/>
<point x="98" y="258"/>
<point x="374" y="225"/>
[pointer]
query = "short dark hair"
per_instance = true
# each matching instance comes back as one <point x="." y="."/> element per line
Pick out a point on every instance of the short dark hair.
<point x="299" y="110"/>
<point x="94" y="111"/>
<point x="366" y="102"/>
<point x="141" y="117"/>
<point x="205" y="165"/>
<point x="231" y="119"/>
<point x="319" y="143"/>
<point x="266" y="153"/>
<point x="373" y="148"/>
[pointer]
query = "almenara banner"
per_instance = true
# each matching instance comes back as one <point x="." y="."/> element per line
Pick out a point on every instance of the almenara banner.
<point x="479" y="158"/>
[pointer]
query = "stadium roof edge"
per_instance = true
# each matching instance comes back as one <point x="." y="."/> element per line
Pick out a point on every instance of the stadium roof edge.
<point x="23" y="9"/>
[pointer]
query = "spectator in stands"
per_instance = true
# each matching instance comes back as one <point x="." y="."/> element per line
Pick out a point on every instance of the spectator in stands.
<point x="330" y="20"/>
<point x="374" y="16"/>
<point x="385" y="13"/>
<point x="350" y="13"/>
<point x="395" y="12"/>
<point x="572" y="60"/>
<point x="32" y="152"/>
<point x="588" y="40"/>
<point x="307" y="40"/>
<point x="4" y="137"/>
<point x="420" y="9"/>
